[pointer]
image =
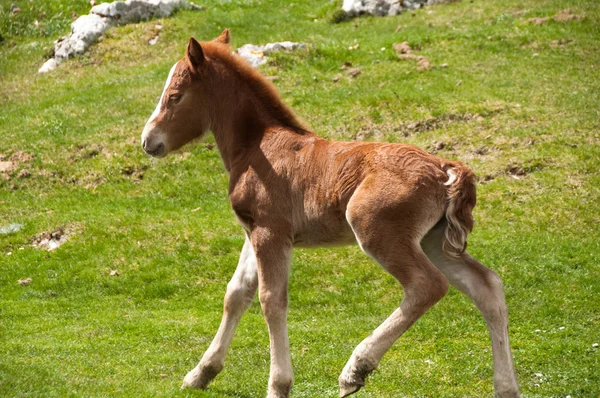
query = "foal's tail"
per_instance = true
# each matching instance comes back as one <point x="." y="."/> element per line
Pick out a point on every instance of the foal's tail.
<point x="461" y="201"/>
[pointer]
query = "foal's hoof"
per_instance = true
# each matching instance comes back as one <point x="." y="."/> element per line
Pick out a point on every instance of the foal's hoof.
<point x="346" y="390"/>
<point x="200" y="376"/>
<point x="354" y="374"/>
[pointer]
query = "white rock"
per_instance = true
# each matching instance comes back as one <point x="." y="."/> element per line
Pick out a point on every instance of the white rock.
<point x="86" y="30"/>
<point x="255" y="55"/>
<point x="10" y="228"/>
<point x="48" y="66"/>
<point x="132" y="11"/>
<point x="380" y="8"/>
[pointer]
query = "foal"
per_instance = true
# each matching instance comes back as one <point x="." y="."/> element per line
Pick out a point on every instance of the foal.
<point x="408" y="210"/>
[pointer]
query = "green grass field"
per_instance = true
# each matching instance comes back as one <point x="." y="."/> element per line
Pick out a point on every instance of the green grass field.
<point x="519" y="102"/>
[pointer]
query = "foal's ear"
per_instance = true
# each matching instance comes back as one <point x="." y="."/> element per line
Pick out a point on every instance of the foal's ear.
<point x="194" y="54"/>
<point x="224" y="37"/>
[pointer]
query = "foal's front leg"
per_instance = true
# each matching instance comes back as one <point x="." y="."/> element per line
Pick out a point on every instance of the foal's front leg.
<point x="240" y="293"/>
<point x="273" y="257"/>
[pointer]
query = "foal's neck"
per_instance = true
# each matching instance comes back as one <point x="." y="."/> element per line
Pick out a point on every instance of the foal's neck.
<point x="248" y="109"/>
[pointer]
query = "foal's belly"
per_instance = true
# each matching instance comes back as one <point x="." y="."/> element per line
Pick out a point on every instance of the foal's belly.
<point x="317" y="234"/>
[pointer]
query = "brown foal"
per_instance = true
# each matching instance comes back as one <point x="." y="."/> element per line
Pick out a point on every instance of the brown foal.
<point x="408" y="210"/>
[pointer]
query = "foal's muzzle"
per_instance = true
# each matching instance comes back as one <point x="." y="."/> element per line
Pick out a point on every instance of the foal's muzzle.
<point x="153" y="141"/>
<point x="152" y="148"/>
<point x="155" y="150"/>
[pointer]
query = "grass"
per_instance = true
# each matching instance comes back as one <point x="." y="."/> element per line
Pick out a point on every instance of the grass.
<point x="516" y="99"/>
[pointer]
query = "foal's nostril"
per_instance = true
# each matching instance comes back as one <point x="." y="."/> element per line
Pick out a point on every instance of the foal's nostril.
<point x="157" y="151"/>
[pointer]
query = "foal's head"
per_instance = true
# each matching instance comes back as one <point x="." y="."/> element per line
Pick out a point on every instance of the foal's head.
<point x="183" y="111"/>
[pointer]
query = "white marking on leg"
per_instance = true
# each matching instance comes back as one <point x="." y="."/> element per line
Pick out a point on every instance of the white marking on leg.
<point x="240" y="293"/>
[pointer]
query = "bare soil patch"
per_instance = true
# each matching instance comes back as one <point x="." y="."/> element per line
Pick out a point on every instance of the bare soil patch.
<point x="404" y="51"/>
<point x="15" y="165"/>
<point x="51" y="240"/>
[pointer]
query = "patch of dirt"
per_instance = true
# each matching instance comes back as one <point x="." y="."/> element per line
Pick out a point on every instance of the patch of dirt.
<point x="353" y="72"/>
<point x="565" y="16"/>
<point x="21" y="157"/>
<point x="515" y="171"/>
<point x="370" y="130"/>
<point x="24" y="173"/>
<point x="402" y="48"/>
<point x="135" y="172"/>
<point x="538" y="21"/>
<point x="434" y="123"/>
<point x="561" y="42"/>
<point x="486" y="178"/>
<point x="482" y="150"/>
<point x="518" y="171"/>
<point x="436" y="146"/>
<point x="404" y="51"/>
<point x="51" y="240"/>
<point x="18" y="161"/>
<point x="6" y="167"/>
<point x="86" y="151"/>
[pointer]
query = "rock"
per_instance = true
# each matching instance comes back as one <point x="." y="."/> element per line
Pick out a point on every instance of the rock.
<point x="24" y="282"/>
<point x="48" y="66"/>
<point x="84" y="32"/>
<point x="10" y="228"/>
<point x="381" y="8"/>
<point x="353" y="72"/>
<point x="255" y="55"/>
<point x="133" y="11"/>
<point x="87" y="29"/>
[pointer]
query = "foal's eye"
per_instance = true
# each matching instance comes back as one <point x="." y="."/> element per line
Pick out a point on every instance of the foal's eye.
<point x="174" y="98"/>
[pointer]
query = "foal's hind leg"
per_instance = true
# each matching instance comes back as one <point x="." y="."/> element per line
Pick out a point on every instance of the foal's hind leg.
<point x="397" y="250"/>
<point x="484" y="287"/>
<point x="240" y="293"/>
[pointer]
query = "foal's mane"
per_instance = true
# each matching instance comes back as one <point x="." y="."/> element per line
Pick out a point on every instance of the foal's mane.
<point x="264" y="90"/>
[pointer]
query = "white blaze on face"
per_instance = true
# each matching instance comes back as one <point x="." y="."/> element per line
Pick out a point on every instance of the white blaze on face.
<point x="149" y="123"/>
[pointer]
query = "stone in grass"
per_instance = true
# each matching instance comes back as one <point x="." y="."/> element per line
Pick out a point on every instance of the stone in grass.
<point x="10" y="228"/>
<point x="353" y="72"/>
<point x="382" y="8"/>
<point x="24" y="282"/>
<point x="256" y="55"/>
<point x="87" y="29"/>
